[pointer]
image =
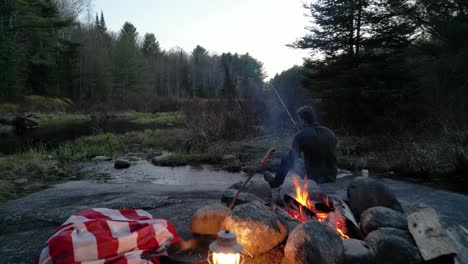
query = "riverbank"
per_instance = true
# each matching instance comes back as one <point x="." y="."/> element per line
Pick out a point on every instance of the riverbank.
<point x="437" y="161"/>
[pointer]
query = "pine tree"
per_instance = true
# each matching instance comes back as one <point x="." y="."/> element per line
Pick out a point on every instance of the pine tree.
<point x="102" y="24"/>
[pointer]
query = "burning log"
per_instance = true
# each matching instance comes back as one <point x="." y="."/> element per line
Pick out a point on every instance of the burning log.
<point x="297" y="210"/>
<point x="335" y="212"/>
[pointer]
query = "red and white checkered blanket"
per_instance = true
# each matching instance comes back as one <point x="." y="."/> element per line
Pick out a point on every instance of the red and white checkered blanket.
<point x="98" y="236"/>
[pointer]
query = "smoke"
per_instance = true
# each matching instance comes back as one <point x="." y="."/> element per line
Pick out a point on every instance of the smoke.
<point x="274" y="116"/>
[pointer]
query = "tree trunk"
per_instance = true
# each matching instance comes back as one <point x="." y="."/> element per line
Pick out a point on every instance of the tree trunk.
<point x="351" y="30"/>
<point x="358" y="28"/>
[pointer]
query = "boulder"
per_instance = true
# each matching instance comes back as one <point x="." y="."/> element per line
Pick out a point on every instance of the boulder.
<point x="208" y="220"/>
<point x="378" y="217"/>
<point x="392" y="245"/>
<point x="243" y="198"/>
<point x="101" y="158"/>
<point x="257" y="227"/>
<point x="121" y="164"/>
<point x="290" y="221"/>
<point x="260" y="189"/>
<point x="358" y="252"/>
<point x="364" y="193"/>
<point x="314" y="242"/>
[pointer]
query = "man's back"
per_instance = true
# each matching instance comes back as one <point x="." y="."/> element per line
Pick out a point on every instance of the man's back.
<point x="318" y="144"/>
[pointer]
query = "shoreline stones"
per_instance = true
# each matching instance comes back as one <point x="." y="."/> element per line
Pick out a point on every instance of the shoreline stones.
<point x="378" y="217"/>
<point x="258" y="228"/>
<point x="364" y="193"/>
<point x="314" y="242"/>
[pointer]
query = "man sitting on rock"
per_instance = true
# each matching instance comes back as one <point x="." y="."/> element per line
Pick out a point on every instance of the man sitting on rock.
<point x="317" y="143"/>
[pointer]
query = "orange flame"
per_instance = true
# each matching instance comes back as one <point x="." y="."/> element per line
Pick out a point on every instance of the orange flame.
<point x="302" y="197"/>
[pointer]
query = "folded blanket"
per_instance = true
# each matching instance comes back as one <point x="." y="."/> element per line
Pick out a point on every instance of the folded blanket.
<point x="109" y="236"/>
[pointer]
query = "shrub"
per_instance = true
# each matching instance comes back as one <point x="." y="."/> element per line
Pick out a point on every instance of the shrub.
<point x="219" y="119"/>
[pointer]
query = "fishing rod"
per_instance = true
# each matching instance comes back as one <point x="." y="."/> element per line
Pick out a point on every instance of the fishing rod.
<point x="284" y="106"/>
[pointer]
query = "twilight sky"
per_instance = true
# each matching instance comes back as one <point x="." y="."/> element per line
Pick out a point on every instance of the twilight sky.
<point x="260" y="27"/>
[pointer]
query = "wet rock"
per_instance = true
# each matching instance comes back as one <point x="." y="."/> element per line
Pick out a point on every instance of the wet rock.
<point x="378" y="217"/>
<point x="101" y="158"/>
<point x="243" y="197"/>
<point x="393" y="245"/>
<point x="258" y="188"/>
<point x="166" y="160"/>
<point x="258" y="228"/>
<point x="121" y="164"/>
<point x="314" y="242"/>
<point x="208" y="220"/>
<point x="364" y="193"/>
<point x="358" y="252"/>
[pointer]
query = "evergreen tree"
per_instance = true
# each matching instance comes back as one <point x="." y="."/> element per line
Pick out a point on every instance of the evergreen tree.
<point x="129" y="70"/>
<point x="102" y="24"/>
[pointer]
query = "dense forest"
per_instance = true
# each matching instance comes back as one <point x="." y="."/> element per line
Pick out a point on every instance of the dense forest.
<point x="387" y="65"/>
<point x="377" y="64"/>
<point x="46" y="50"/>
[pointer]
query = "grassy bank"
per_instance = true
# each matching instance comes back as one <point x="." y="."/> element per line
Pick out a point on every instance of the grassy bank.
<point x="423" y="158"/>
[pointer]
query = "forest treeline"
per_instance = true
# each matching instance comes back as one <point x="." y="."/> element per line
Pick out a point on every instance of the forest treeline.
<point x="387" y="65"/>
<point x="46" y="50"/>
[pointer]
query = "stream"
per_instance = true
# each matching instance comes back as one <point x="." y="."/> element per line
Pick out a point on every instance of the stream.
<point x="54" y="134"/>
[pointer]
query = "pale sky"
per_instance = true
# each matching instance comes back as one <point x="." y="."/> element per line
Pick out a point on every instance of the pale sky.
<point x="260" y="27"/>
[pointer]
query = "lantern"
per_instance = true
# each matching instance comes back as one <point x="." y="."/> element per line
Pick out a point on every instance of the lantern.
<point x="225" y="250"/>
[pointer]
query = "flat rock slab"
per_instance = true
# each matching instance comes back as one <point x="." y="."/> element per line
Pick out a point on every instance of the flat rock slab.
<point x="176" y="195"/>
<point x="27" y="223"/>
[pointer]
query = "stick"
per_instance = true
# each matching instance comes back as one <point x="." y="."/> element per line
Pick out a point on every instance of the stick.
<point x="285" y="108"/>
<point x="241" y="188"/>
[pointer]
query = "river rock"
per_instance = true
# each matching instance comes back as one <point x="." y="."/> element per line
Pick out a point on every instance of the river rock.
<point x="258" y="228"/>
<point x="314" y="242"/>
<point x="243" y="197"/>
<point x="121" y="164"/>
<point x="364" y="193"/>
<point x="378" y="217"/>
<point x="392" y="245"/>
<point x="208" y="220"/>
<point x="258" y="188"/>
<point x="101" y="158"/>
<point x="358" y="252"/>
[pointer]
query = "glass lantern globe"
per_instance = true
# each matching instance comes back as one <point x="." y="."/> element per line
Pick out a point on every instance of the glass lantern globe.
<point x="225" y="249"/>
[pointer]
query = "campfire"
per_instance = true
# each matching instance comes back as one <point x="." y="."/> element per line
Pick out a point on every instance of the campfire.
<point x="303" y="208"/>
